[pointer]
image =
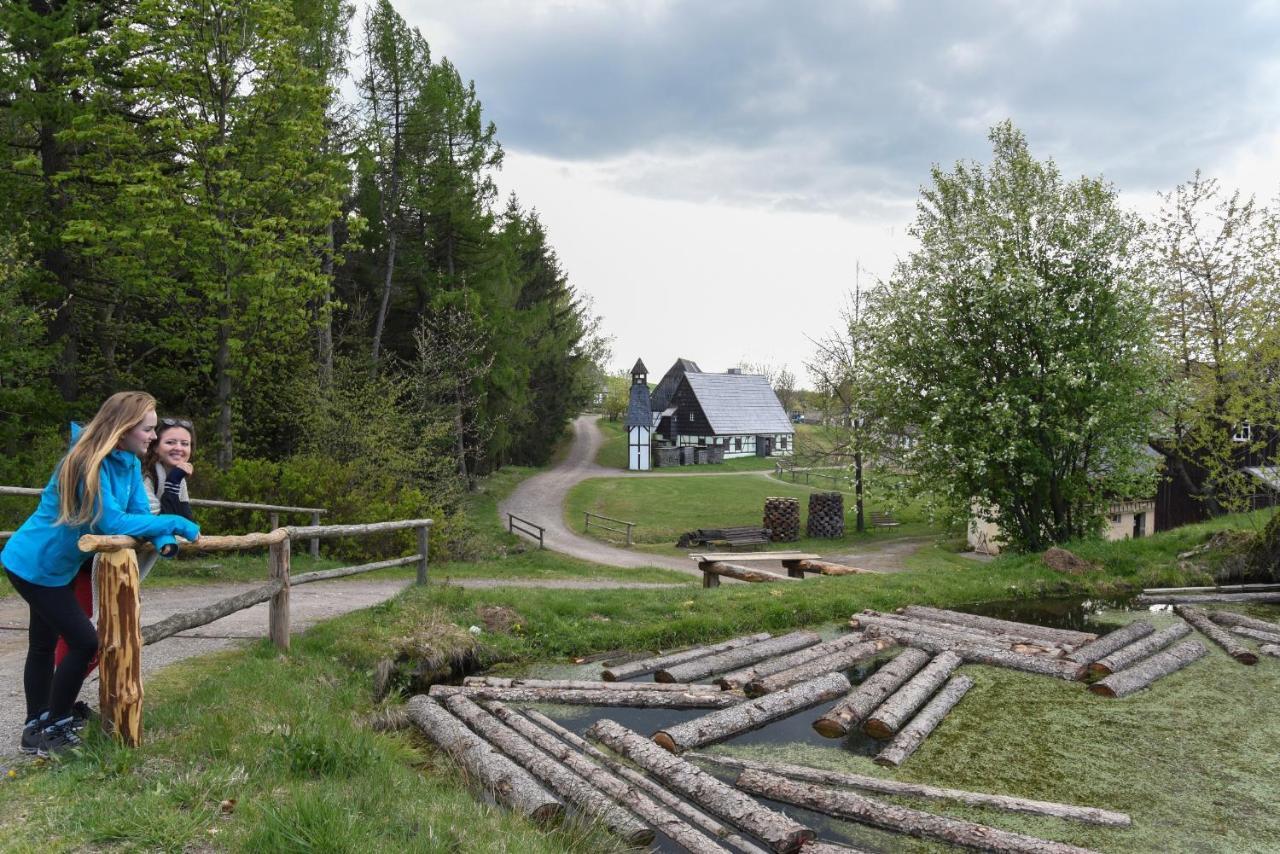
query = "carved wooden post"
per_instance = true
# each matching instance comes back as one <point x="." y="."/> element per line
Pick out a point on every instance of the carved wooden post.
<point x="278" y="621"/>
<point x="274" y="521"/>
<point x="315" y="541"/>
<point x="423" y="540"/>
<point x="120" y="646"/>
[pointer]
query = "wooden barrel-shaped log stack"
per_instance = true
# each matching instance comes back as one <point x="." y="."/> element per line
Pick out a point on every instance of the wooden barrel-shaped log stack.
<point x="782" y="518"/>
<point x="826" y="515"/>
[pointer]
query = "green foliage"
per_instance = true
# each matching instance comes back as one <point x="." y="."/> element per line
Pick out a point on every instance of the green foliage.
<point x="1015" y="345"/>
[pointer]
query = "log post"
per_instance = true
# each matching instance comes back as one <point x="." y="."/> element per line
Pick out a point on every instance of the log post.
<point x="274" y="521"/>
<point x="1201" y="623"/>
<point x="278" y="613"/>
<point x="424" y="537"/>
<point x="315" y="541"/>
<point x="864" y="699"/>
<point x="120" y="646"/>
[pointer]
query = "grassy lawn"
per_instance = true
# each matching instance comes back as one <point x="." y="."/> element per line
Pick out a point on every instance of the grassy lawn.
<point x="613" y="454"/>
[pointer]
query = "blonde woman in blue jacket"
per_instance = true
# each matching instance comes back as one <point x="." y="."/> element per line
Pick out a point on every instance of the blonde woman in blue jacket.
<point x="96" y="489"/>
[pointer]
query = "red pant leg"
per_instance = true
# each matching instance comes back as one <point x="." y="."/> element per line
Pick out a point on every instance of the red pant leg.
<point x="82" y="587"/>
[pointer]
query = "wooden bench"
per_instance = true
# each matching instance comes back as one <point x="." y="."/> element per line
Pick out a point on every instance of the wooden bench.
<point x="732" y="538"/>
<point x="713" y="566"/>
<point x="883" y="519"/>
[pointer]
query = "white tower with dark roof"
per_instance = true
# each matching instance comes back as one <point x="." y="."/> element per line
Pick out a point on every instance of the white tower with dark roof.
<point x="639" y="421"/>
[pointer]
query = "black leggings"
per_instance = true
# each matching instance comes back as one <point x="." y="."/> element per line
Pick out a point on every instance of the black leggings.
<point x="54" y="612"/>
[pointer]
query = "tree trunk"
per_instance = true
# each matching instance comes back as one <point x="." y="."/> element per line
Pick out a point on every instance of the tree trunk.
<point x="551" y="773"/>
<point x="864" y="699"/>
<point x="120" y="647"/>
<point x="922" y="825"/>
<point x="1138" y="650"/>
<point x="984" y="654"/>
<point x="1207" y="598"/>
<point x="611" y="697"/>
<point x="640" y="781"/>
<point x="739" y="678"/>
<point x="1201" y="623"/>
<point x="1065" y="637"/>
<point x="1230" y="618"/>
<point x="659" y="816"/>
<point x="649" y="665"/>
<point x="910" y="737"/>
<point x="744" y="717"/>
<point x="513" y="787"/>
<point x="1016" y="643"/>
<point x="583" y="685"/>
<point x="1254" y="634"/>
<point x="324" y="318"/>
<point x="860" y="520"/>
<point x="734" y="659"/>
<point x="781" y="832"/>
<point x="222" y="400"/>
<point x="460" y="443"/>
<point x="381" y="321"/>
<point x="1142" y="674"/>
<point x="1111" y="641"/>
<point x="885" y="786"/>
<point x="834" y="662"/>
<point x="898" y="709"/>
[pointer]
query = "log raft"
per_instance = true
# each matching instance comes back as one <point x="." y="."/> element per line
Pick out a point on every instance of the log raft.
<point x="753" y="714"/>
<point x="567" y="784"/>
<point x="1201" y="623"/>
<point x="1050" y="635"/>
<point x="1138" y="650"/>
<point x="734" y="659"/>
<point x="1133" y="679"/>
<point x="960" y="634"/>
<point x="739" y="678"/>
<point x="611" y="697"/>
<point x="864" y="699"/>
<point x="834" y="662"/>
<point x="910" y="737"/>
<point x="886" y="786"/>
<point x="886" y="720"/>
<point x="1111" y="641"/>
<point x="513" y="786"/>
<point x="922" y="825"/>
<point x="649" y="665"/>
<point x="781" y="832"/>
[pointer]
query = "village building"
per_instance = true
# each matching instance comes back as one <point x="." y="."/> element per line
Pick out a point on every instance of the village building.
<point x="736" y="414"/>
<point x="639" y="421"/>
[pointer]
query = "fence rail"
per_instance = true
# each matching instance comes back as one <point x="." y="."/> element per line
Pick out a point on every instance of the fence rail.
<point x="517" y="525"/>
<point x="630" y="525"/>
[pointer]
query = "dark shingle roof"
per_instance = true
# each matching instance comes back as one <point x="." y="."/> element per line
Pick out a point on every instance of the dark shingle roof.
<point x="639" y="368"/>
<point x="639" y="413"/>
<point x="671" y="380"/>
<point x="739" y="403"/>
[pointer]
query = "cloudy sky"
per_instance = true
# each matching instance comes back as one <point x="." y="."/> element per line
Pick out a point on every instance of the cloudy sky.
<point x="717" y="174"/>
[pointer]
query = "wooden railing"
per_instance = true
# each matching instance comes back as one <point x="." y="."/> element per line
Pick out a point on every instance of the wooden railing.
<point x="807" y="474"/>
<point x="517" y="525"/>
<point x="630" y="525"/>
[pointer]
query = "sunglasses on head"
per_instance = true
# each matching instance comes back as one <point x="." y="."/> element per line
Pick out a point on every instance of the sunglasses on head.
<point x="176" y="422"/>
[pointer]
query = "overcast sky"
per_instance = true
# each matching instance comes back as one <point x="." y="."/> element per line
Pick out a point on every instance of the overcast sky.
<point x="716" y="173"/>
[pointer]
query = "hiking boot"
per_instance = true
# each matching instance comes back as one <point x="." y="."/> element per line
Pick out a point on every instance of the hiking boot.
<point x="57" y="739"/>
<point x="31" y="736"/>
<point x="82" y="713"/>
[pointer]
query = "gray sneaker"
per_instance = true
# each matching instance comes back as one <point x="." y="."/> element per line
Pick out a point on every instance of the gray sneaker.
<point x="58" y="739"/>
<point x="31" y="736"/>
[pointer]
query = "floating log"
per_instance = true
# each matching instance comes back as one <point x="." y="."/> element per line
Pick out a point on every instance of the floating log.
<point x="1138" y="650"/>
<point x="864" y="699"/>
<point x="835" y="662"/>
<point x="1201" y="623"/>
<point x="175" y="623"/>
<point x="708" y="823"/>
<point x="1206" y="598"/>
<point x="889" y="717"/>
<point x="738" y="571"/>
<point x="781" y="832"/>
<point x="1112" y="641"/>
<point x="820" y="847"/>
<point x="564" y="782"/>
<point x="1254" y="634"/>
<point x="753" y="714"/>
<point x="584" y="685"/>
<point x="1221" y="588"/>
<point x="1270" y="649"/>
<point x="1231" y="618"/>
<point x="739" y="678"/>
<point x="885" y="786"/>
<point x="1057" y="636"/>
<point x="911" y="736"/>
<point x="569" y="697"/>
<point x="1015" y="643"/>
<point x="513" y="786"/>
<point x="649" y="665"/>
<point x="1133" y="679"/>
<point x="659" y="816"/>
<point x="922" y="825"/>
<point x="735" y="658"/>
<point x="982" y="654"/>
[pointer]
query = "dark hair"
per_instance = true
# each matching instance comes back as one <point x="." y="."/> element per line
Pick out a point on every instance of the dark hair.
<point x="153" y="450"/>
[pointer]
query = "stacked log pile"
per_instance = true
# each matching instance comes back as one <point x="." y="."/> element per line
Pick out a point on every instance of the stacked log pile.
<point x="782" y="518"/>
<point x="826" y="515"/>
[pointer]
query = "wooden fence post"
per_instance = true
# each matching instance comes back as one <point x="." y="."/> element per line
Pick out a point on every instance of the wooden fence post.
<point x="315" y="541"/>
<point x="278" y="619"/>
<point x="120" y="646"/>
<point x="273" y="521"/>
<point x="424" y="538"/>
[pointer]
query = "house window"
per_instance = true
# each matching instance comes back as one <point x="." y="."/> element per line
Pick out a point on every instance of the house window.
<point x="1244" y="433"/>
<point x="737" y="443"/>
<point x="1115" y="518"/>
<point x="690" y="416"/>
<point x="782" y="443"/>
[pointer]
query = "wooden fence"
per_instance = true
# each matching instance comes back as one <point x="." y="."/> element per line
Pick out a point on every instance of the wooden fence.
<point x="630" y="525"/>
<point x="517" y="525"/>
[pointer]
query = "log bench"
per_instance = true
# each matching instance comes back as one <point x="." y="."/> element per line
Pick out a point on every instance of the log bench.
<point x="713" y="566"/>
<point x="883" y="519"/>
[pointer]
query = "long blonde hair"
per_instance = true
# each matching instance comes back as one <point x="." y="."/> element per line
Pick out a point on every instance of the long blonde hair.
<point x="119" y="414"/>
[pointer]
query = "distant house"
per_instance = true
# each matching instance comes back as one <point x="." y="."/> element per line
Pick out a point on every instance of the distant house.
<point x="736" y="411"/>
<point x="1255" y="451"/>
<point x="639" y="421"/>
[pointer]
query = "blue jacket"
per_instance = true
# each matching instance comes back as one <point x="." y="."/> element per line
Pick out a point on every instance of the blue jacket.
<point x="46" y="553"/>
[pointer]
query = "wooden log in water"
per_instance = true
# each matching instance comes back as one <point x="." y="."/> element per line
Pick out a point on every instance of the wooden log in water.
<point x="567" y="784"/>
<point x="1059" y="668"/>
<point x="1201" y="623"/>
<point x="1138" y="650"/>
<point x="513" y="786"/>
<point x="1056" y="636"/>
<point x="1221" y="588"/>
<point x="781" y="832"/>
<point x="650" y="665"/>
<point x="1014" y="643"/>
<point x="584" y="685"/>
<point x="911" y="736"/>
<point x="890" y="716"/>
<point x="1112" y="641"/>
<point x="708" y="823"/>
<point x="873" y="691"/>
<point x="834" y="662"/>
<point x="1133" y="679"/>
<point x="610" y="784"/>
<point x="922" y="825"/>
<point x="1270" y="649"/>
<point x="886" y="786"/>
<point x="569" y="697"/>
<point x="820" y="847"/>
<point x="734" y="659"/>
<point x="1231" y="618"/>
<point x="1254" y="634"/>
<point x="1206" y="598"/>
<point x="739" y="678"/>
<point x="753" y="714"/>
